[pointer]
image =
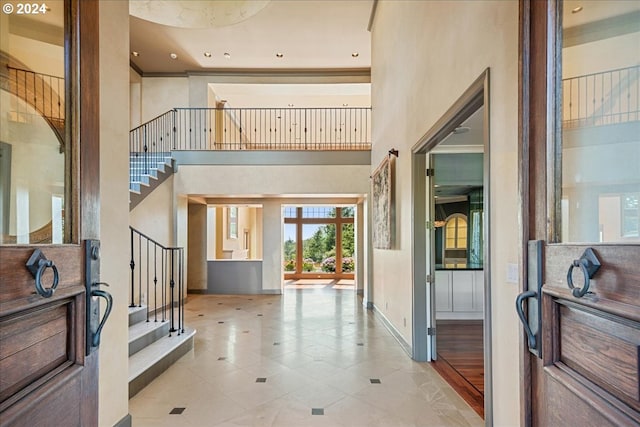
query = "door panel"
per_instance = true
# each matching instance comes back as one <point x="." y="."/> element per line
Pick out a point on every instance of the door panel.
<point x="581" y="170"/>
<point x="47" y="376"/>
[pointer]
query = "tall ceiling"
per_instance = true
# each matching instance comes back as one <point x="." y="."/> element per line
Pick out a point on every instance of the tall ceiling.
<point x="325" y="38"/>
<point x="311" y="35"/>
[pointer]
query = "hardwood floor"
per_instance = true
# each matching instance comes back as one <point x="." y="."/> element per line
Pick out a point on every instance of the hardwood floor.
<point x="460" y="348"/>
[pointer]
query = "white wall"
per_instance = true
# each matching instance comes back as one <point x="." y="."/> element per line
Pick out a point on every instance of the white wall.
<point x="114" y="207"/>
<point x="424" y="56"/>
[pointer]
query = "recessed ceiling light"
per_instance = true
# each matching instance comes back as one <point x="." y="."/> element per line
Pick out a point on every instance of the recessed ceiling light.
<point x="461" y="129"/>
<point x="576" y="9"/>
<point x="355" y="54"/>
<point x="134" y="53"/>
<point x="279" y="55"/>
<point x="207" y="54"/>
<point x="173" y="55"/>
<point x="227" y="55"/>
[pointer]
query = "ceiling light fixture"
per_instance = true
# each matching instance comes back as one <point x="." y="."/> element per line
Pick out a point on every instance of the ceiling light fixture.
<point x="461" y="129"/>
<point x="345" y="105"/>
<point x="290" y="105"/>
<point x="355" y="54"/>
<point x="279" y="55"/>
<point x="207" y="54"/>
<point x="227" y="55"/>
<point x="173" y="55"/>
<point x="576" y="9"/>
<point x="134" y="53"/>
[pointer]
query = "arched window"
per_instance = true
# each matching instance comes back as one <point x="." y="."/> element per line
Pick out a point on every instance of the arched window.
<point x="455" y="232"/>
<point x="455" y="240"/>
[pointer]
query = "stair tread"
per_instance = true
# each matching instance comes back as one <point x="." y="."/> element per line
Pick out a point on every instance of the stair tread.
<point x="148" y="356"/>
<point x="140" y="329"/>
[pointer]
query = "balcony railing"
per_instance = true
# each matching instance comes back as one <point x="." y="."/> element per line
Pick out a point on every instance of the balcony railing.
<point x="43" y="93"/>
<point x="310" y="129"/>
<point x="605" y="98"/>
<point x="272" y="129"/>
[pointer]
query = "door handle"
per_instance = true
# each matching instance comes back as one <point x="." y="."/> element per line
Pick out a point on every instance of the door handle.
<point x="93" y="295"/>
<point x="531" y="337"/>
<point x="95" y="339"/>
<point x="532" y="319"/>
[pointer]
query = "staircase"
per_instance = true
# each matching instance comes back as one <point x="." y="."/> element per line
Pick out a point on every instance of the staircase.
<point x="152" y="348"/>
<point x="157" y="333"/>
<point x="146" y="172"/>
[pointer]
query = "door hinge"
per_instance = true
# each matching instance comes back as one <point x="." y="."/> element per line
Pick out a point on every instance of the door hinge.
<point x="429" y="278"/>
<point x="431" y="331"/>
<point x="430" y="172"/>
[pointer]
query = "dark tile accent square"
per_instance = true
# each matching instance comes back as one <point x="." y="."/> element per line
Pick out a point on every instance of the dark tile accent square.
<point x="375" y="381"/>
<point x="177" y="411"/>
<point x="200" y="315"/>
<point x="276" y="343"/>
<point x="245" y="332"/>
<point x="361" y="344"/>
<point x="222" y="358"/>
<point x="238" y="308"/>
<point x="261" y="380"/>
<point x="317" y="411"/>
<point x="221" y="322"/>
<point x="219" y="303"/>
<point x="259" y="315"/>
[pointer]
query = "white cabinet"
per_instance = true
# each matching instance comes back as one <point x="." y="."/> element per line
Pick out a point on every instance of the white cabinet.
<point x="443" y="291"/>
<point x="459" y="294"/>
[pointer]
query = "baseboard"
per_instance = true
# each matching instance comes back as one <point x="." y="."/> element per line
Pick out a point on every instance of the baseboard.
<point x="197" y="291"/>
<point x="387" y="324"/>
<point x="124" y="422"/>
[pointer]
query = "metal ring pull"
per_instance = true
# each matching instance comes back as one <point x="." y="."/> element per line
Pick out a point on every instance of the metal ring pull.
<point x="43" y="265"/>
<point x="589" y="265"/>
<point x="37" y="264"/>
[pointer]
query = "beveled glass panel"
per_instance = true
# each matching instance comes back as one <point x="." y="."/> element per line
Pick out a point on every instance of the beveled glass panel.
<point x="600" y="120"/>
<point x="32" y="123"/>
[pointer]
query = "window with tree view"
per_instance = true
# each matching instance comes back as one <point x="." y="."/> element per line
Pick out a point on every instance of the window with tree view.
<point x="319" y="241"/>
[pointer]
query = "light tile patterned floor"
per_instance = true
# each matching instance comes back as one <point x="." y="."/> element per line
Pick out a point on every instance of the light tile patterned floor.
<point x="318" y="350"/>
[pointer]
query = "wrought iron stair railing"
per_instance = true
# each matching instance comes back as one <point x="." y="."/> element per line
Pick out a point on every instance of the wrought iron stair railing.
<point x="157" y="280"/>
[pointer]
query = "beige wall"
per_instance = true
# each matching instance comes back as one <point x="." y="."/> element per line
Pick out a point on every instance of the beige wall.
<point x="154" y="216"/>
<point x="425" y="55"/>
<point x="197" y="246"/>
<point x="161" y="94"/>
<point x="114" y="207"/>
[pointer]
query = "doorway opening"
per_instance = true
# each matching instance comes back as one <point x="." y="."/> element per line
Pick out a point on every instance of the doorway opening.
<point x="319" y="247"/>
<point x="451" y="253"/>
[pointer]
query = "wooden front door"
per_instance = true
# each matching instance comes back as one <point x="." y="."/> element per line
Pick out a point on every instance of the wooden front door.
<point x="580" y="144"/>
<point x="48" y="366"/>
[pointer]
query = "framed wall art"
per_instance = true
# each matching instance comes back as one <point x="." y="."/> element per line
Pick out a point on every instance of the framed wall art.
<point x="382" y="182"/>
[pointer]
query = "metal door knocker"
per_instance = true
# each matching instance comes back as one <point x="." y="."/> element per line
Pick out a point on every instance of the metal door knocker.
<point x="37" y="264"/>
<point x="589" y="265"/>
